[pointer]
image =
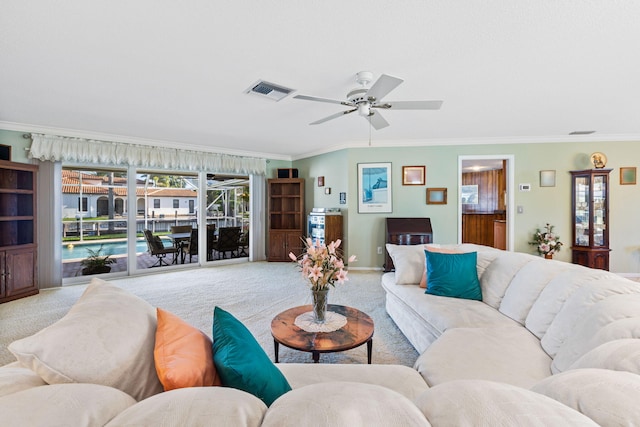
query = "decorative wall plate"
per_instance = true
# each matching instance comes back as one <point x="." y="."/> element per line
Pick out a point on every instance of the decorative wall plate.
<point x="598" y="160"/>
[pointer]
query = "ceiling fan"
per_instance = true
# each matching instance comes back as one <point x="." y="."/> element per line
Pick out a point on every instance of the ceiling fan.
<point x="366" y="100"/>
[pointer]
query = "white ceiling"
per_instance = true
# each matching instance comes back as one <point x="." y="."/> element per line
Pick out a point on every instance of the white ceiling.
<point x="173" y="73"/>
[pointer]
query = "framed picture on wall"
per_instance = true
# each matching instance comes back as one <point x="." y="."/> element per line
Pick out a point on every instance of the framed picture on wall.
<point x="628" y="176"/>
<point x="5" y="152"/>
<point x="374" y="188"/>
<point x="436" y="196"/>
<point x="413" y="175"/>
<point x="548" y="178"/>
<point x="469" y="194"/>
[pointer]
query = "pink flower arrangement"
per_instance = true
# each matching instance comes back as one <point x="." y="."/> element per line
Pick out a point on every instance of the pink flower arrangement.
<point x="322" y="265"/>
<point x="547" y="241"/>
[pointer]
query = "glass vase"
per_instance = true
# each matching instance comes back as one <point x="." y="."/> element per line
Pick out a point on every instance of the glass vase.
<point x="320" y="305"/>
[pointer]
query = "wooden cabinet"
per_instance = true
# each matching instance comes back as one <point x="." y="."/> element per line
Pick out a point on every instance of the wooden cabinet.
<point x="18" y="266"/>
<point x="286" y="218"/>
<point x="333" y="229"/>
<point x="406" y="231"/>
<point x="500" y="234"/>
<point x="590" y="218"/>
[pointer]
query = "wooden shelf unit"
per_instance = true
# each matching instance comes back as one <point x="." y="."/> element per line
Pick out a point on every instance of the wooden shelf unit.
<point x="286" y="217"/>
<point x="18" y="243"/>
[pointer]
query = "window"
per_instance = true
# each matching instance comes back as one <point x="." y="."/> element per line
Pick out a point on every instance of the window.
<point x="156" y="203"/>
<point x="176" y="203"/>
<point x="82" y="204"/>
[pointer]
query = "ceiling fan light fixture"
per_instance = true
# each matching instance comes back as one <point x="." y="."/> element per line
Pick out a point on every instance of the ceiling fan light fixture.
<point x="364" y="109"/>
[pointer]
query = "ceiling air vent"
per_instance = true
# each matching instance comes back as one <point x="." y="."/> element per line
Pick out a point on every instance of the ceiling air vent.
<point x="268" y="90"/>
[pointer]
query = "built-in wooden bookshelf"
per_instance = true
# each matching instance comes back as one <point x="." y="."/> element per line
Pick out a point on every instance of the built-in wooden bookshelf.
<point x="18" y="244"/>
<point x="286" y="217"/>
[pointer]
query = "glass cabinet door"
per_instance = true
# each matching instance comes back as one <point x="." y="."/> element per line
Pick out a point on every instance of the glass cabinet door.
<point x="599" y="210"/>
<point x="582" y="211"/>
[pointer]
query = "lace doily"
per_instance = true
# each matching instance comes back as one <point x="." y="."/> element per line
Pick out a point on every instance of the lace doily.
<point x="333" y="322"/>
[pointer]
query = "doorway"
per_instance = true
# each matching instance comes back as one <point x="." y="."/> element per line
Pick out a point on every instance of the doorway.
<point x="485" y="202"/>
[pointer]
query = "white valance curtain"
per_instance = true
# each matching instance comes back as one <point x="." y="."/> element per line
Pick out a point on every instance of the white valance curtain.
<point x="64" y="149"/>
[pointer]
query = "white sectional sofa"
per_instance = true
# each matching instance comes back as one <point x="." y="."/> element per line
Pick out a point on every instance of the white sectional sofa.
<point x="555" y="346"/>
<point x="559" y="329"/>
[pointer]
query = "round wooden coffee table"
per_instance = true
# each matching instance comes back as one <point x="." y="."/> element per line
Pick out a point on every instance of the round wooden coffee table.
<point x="357" y="331"/>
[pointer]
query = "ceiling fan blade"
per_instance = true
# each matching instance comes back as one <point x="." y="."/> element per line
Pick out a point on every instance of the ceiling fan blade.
<point x="382" y="87"/>
<point x="333" y="116"/>
<point x="412" y="105"/>
<point x="377" y="121"/>
<point x="314" y="98"/>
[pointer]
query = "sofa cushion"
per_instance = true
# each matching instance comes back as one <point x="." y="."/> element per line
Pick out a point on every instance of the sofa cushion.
<point x="408" y="261"/>
<point x="195" y="407"/>
<point x="69" y="405"/>
<point x="609" y="398"/>
<point x="617" y="355"/>
<point x="552" y="298"/>
<point x="498" y="274"/>
<point x="611" y="318"/>
<point x="14" y="378"/>
<point x="343" y="404"/>
<point x="453" y="275"/>
<point x="401" y="379"/>
<point x="423" y="280"/>
<point x="487" y="403"/>
<point x="506" y="354"/>
<point x="183" y="354"/>
<point x="594" y="286"/>
<point x="526" y="286"/>
<point x="241" y="362"/>
<point x="106" y="338"/>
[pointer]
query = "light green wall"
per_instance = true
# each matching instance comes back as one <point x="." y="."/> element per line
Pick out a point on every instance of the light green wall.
<point x="18" y="145"/>
<point x="365" y="232"/>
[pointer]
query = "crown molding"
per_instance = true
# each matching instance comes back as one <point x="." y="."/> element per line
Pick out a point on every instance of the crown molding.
<point x="75" y="133"/>
<point x="476" y="141"/>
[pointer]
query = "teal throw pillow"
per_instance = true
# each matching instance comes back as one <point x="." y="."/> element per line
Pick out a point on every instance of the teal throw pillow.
<point x="453" y="275"/>
<point x="241" y="362"/>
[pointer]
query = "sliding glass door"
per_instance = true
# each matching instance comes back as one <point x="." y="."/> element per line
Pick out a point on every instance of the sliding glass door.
<point x="98" y="209"/>
<point x="94" y="221"/>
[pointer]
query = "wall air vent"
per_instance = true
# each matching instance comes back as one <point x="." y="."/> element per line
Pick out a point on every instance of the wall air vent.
<point x="268" y="90"/>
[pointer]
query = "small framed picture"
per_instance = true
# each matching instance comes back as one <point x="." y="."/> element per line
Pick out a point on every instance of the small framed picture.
<point x="548" y="178"/>
<point x="5" y="152"/>
<point x="628" y="176"/>
<point x="469" y="194"/>
<point x="413" y="175"/>
<point x="321" y="181"/>
<point x="436" y="196"/>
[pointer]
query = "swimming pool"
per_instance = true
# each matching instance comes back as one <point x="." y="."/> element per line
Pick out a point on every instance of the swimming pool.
<point x="115" y="247"/>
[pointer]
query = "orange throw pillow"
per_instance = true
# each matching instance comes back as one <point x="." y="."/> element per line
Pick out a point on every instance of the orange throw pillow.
<point x="423" y="281"/>
<point x="183" y="354"/>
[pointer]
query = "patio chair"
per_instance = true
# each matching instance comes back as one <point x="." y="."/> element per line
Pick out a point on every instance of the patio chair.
<point x="211" y="238"/>
<point x="228" y="238"/>
<point x="243" y="244"/>
<point x="157" y="249"/>
<point x="191" y="246"/>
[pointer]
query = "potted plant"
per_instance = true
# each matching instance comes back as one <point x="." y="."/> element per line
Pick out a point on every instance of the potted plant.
<point x="547" y="241"/>
<point x="96" y="262"/>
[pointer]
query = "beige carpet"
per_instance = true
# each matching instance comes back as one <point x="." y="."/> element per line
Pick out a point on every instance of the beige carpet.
<point x="252" y="292"/>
